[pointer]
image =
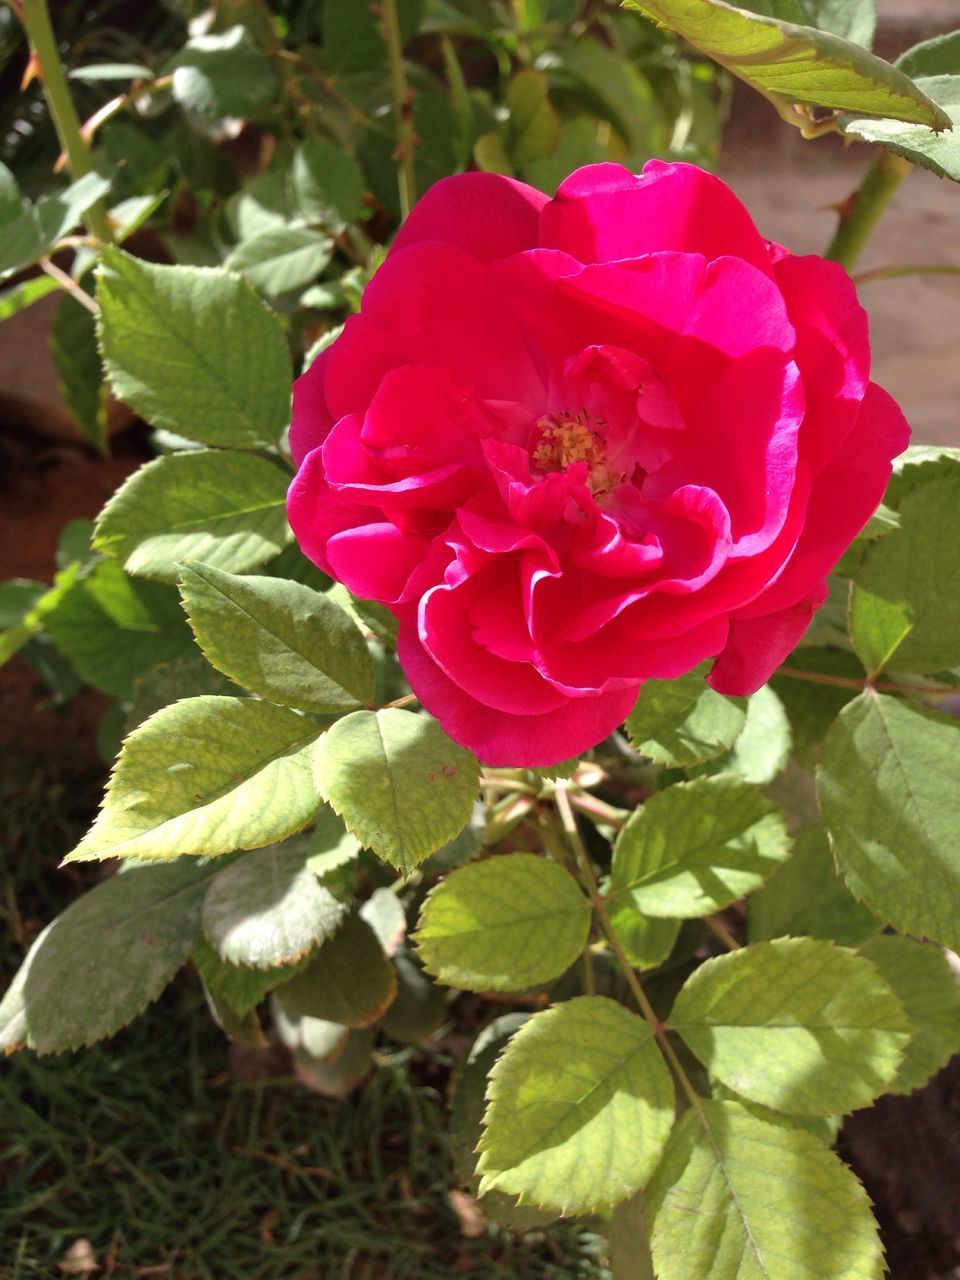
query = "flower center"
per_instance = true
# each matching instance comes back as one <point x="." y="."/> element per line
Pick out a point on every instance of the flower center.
<point x="561" y="440"/>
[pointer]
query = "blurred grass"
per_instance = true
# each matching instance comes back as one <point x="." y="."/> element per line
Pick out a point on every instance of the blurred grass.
<point x="153" y="1149"/>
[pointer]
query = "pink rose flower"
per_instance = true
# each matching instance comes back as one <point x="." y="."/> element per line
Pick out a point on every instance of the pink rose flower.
<point x="574" y="444"/>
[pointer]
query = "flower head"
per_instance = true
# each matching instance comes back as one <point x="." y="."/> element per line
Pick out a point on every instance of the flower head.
<point x="577" y="443"/>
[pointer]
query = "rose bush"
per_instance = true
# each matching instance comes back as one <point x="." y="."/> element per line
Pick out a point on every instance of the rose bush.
<point x="576" y="443"/>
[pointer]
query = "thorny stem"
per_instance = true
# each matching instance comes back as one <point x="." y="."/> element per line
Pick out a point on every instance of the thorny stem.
<point x="878" y="686"/>
<point x="589" y="879"/>
<point x="869" y="201"/>
<point x="406" y="177"/>
<point x="36" y="21"/>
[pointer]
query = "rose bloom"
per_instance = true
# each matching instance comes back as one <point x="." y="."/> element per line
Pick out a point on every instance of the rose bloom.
<point x="575" y="444"/>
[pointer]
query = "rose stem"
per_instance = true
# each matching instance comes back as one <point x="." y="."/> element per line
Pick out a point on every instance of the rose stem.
<point x="589" y="880"/>
<point x="877" y="686"/>
<point x="868" y="203"/>
<point x="36" y="20"/>
<point x="406" y="178"/>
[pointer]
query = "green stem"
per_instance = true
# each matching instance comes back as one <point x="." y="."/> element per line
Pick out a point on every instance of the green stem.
<point x="589" y="879"/>
<point x="869" y="201"/>
<point x="406" y="177"/>
<point x="36" y="20"/>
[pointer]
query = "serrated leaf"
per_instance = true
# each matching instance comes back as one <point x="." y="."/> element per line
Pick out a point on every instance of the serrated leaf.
<point x="937" y="151"/>
<point x="189" y="676"/>
<point x="30" y="231"/>
<point x="900" y="615"/>
<point x="279" y="639"/>
<point x="331" y="845"/>
<point x="113" y="628"/>
<point x="223" y="74"/>
<point x="796" y="1024"/>
<point x="684" y="722"/>
<point x="193" y="350"/>
<point x="696" y="847"/>
<point x="580" y="1106"/>
<point x="268" y="909"/>
<point x="236" y="986"/>
<point x="534" y="126"/>
<point x="280" y="260"/>
<point x="927" y="987"/>
<point x="508" y="923"/>
<point x="739" y="1199"/>
<point x="347" y="980"/>
<point x="227" y="510"/>
<point x="807" y="896"/>
<point x="825" y="1128"/>
<point x="812" y="706"/>
<point x="328" y="184"/>
<point x="336" y="1077"/>
<point x="385" y="914"/>
<point x="73" y="345"/>
<point x="467" y="1105"/>
<point x="790" y="62"/>
<point x="889" y="788"/>
<point x="206" y="776"/>
<point x="399" y="783"/>
<point x="105" y="959"/>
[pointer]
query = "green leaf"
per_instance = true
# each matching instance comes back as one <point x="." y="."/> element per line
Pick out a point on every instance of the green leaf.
<point x="268" y="909"/>
<point x="331" y="845"/>
<point x="937" y="57"/>
<point x="223" y="75"/>
<point x="384" y="913"/>
<point x="684" y="722"/>
<point x="281" y="259"/>
<point x="336" y="1077"/>
<point x="745" y="1200"/>
<point x="278" y="638"/>
<point x="328" y="184"/>
<point x="508" y="923"/>
<point x="534" y="127"/>
<point x="24" y="294"/>
<point x="347" y="980"/>
<point x="630" y="1257"/>
<point x="33" y="230"/>
<point x="798" y="1025"/>
<point x="399" y="783"/>
<point x="193" y="350"/>
<point x="937" y="151"/>
<point x="900" y="614"/>
<point x="790" y="63"/>
<point x="762" y="749"/>
<point x="855" y="20"/>
<point x="189" y="676"/>
<point x="929" y="991"/>
<point x="114" y="629"/>
<point x="240" y="989"/>
<point x="225" y="509"/>
<point x="889" y="788"/>
<point x="322" y="1040"/>
<point x="73" y="344"/>
<point x="696" y="847"/>
<point x="580" y="1106"/>
<point x="812" y="706"/>
<point x="915" y="467"/>
<point x="105" y="959"/>
<point x="647" y="940"/>
<point x="206" y="776"/>
<point x="420" y="1006"/>
<point x="807" y="896"/>
<point x="467" y="1105"/>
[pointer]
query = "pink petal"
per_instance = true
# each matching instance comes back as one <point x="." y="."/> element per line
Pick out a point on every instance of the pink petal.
<point x="483" y="214"/>
<point x="757" y="646"/>
<point x="515" y="741"/>
<point x="603" y="212"/>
